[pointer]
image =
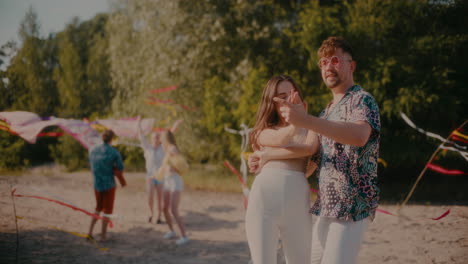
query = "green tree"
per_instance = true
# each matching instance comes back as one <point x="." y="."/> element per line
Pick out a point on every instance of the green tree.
<point x="410" y="57"/>
<point x="28" y="86"/>
<point x="30" y="70"/>
<point x="83" y="81"/>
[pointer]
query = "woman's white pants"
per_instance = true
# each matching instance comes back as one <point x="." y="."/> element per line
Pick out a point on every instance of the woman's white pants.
<point x="278" y="206"/>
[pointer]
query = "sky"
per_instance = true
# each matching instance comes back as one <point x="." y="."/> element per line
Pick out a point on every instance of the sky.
<point x="53" y="14"/>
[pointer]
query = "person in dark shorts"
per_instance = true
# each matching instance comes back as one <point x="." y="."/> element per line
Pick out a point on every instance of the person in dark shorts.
<point x="105" y="162"/>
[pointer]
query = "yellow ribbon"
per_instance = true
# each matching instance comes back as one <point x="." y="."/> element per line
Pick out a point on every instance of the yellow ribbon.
<point x="384" y="163"/>
<point x="456" y="133"/>
<point x="98" y="127"/>
<point x="69" y="232"/>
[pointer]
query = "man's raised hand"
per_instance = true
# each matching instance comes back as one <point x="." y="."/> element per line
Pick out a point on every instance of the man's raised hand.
<point x="292" y="109"/>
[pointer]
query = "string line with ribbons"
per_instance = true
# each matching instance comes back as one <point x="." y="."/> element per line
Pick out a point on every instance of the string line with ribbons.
<point x="428" y="162"/>
<point x="16" y="223"/>
<point x="388" y="213"/>
<point x="430" y="134"/>
<point x="244" y="186"/>
<point x="82" y="235"/>
<point x="464" y="154"/>
<point x="66" y="205"/>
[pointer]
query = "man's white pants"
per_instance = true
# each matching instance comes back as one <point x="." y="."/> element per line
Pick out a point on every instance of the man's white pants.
<point x="336" y="241"/>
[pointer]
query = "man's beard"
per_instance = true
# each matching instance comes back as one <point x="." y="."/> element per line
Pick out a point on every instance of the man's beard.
<point x="334" y="83"/>
<point x="336" y="79"/>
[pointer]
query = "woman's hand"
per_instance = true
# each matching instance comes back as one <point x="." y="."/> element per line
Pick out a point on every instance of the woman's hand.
<point x="253" y="163"/>
<point x="256" y="161"/>
<point x="310" y="168"/>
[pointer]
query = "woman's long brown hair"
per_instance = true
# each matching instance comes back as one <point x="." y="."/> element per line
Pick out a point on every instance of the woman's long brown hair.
<point x="169" y="138"/>
<point x="266" y="115"/>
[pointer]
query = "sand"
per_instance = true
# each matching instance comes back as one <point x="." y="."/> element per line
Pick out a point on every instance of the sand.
<point x="215" y="224"/>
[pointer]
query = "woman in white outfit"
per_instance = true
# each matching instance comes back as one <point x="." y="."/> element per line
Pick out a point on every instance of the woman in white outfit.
<point x="173" y="187"/>
<point x="279" y="201"/>
<point x="154" y="155"/>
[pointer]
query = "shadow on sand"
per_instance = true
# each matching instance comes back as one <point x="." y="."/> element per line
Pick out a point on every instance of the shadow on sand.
<point x="138" y="245"/>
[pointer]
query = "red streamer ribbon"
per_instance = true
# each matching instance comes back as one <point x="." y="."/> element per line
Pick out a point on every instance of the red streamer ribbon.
<point x="64" y="204"/>
<point x="457" y="138"/>
<point x="165" y="89"/>
<point x="50" y="134"/>
<point x="444" y="171"/>
<point x="42" y="134"/>
<point x="442" y="215"/>
<point x="434" y="218"/>
<point x="6" y="127"/>
<point x="229" y="166"/>
<point x="239" y="177"/>
<point x="388" y="213"/>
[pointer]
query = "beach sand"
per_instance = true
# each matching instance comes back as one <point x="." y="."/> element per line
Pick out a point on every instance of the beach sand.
<point x="214" y="221"/>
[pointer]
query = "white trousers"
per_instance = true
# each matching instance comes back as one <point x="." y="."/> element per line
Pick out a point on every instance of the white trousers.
<point x="279" y="206"/>
<point x="336" y="241"/>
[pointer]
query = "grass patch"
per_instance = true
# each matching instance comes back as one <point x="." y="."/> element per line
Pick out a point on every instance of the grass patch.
<point x="218" y="178"/>
<point x="11" y="172"/>
<point x="213" y="177"/>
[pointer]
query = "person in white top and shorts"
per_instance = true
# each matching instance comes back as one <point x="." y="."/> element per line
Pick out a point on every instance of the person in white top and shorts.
<point x="173" y="187"/>
<point x="154" y="156"/>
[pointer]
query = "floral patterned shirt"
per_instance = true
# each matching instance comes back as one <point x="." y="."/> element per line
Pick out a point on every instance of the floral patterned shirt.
<point x="348" y="174"/>
<point x="103" y="159"/>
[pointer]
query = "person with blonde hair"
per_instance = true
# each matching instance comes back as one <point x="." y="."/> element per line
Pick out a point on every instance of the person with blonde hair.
<point x="279" y="201"/>
<point x="173" y="166"/>
<point x="154" y="156"/>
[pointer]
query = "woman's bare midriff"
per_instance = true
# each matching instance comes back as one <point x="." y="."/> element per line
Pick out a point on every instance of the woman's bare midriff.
<point x="289" y="164"/>
<point x="298" y="164"/>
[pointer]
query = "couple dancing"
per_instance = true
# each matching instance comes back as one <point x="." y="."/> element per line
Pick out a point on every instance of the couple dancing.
<point x="345" y="140"/>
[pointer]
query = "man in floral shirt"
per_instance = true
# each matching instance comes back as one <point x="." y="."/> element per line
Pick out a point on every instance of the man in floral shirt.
<point x="349" y="134"/>
<point x="105" y="162"/>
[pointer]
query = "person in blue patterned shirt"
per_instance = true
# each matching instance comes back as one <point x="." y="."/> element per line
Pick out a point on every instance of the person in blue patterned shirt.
<point x="349" y="134"/>
<point x="105" y="163"/>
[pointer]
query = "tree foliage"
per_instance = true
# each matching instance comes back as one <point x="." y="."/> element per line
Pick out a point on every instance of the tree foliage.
<point x="411" y="57"/>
